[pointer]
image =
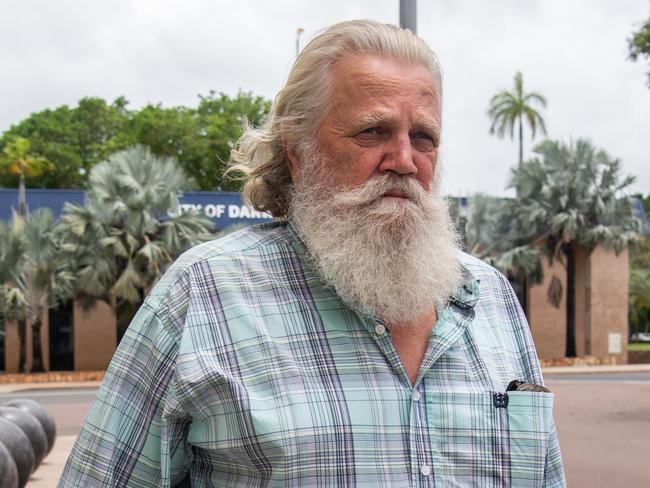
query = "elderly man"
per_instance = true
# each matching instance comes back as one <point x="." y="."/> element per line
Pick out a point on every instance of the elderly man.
<point x="348" y="344"/>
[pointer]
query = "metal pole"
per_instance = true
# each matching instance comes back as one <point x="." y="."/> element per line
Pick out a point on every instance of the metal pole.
<point x="408" y="15"/>
<point x="463" y="210"/>
<point x="298" y="32"/>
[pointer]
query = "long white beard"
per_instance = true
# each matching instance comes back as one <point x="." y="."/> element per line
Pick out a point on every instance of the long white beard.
<point x="395" y="259"/>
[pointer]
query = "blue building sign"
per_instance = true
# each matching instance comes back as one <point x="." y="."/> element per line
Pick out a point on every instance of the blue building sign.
<point x="639" y="212"/>
<point x="224" y="208"/>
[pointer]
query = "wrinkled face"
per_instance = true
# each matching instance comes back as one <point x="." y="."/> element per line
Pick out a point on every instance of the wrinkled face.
<point x="384" y="118"/>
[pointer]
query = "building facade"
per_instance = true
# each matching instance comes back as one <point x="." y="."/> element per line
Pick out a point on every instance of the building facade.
<point x="83" y="336"/>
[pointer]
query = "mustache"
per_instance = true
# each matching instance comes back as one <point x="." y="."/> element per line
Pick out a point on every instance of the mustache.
<point x="373" y="190"/>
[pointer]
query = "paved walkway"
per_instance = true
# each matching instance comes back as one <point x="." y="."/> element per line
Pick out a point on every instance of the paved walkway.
<point x="49" y="472"/>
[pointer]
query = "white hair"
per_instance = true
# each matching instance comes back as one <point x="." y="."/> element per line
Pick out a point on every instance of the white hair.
<point x="303" y="102"/>
<point x="395" y="260"/>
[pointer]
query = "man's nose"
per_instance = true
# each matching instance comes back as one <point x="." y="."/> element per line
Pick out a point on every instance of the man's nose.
<point x="398" y="157"/>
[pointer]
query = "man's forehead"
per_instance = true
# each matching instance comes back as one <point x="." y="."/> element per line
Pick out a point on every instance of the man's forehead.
<point x="369" y="73"/>
<point x="359" y="80"/>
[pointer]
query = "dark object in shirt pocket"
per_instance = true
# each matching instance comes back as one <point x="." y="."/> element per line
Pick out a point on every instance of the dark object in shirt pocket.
<point x="517" y="385"/>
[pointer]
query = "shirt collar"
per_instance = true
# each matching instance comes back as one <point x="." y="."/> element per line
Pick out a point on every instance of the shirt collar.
<point x="468" y="292"/>
<point x="297" y="240"/>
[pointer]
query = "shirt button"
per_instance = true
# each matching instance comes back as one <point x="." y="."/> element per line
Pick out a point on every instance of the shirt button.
<point x="425" y="470"/>
<point x="416" y="396"/>
<point x="380" y="329"/>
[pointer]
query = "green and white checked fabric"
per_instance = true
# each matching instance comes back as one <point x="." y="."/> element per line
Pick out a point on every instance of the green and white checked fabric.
<point x="242" y="369"/>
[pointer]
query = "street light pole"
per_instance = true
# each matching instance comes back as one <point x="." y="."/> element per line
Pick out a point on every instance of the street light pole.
<point x="298" y="32"/>
<point x="408" y="15"/>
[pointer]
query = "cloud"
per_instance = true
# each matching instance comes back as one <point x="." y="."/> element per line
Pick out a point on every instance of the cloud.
<point x="169" y="51"/>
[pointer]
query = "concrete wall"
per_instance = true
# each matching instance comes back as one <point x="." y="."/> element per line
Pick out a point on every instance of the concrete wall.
<point x="95" y="336"/>
<point x="547" y="323"/>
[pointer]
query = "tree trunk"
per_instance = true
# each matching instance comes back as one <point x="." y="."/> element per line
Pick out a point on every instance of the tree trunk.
<point x="570" y="302"/>
<point x="521" y="142"/>
<point x="22" y="199"/>
<point x="38" y="366"/>
<point x="22" y="344"/>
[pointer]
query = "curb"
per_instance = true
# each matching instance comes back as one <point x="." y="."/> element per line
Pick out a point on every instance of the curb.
<point x="62" y="385"/>
<point x="622" y="368"/>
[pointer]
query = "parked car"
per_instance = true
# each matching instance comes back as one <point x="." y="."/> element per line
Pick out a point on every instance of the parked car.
<point x="640" y="337"/>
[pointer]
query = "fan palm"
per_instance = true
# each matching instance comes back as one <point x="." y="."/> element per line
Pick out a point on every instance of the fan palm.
<point x="510" y="108"/>
<point x="571" y="195"/>
<point x="35" y="276"/>
<point x="124" y="238"/>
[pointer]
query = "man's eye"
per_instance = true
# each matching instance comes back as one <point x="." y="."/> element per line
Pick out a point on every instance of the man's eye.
<point x="370" y="135"/>
<point x="424" y="141"/>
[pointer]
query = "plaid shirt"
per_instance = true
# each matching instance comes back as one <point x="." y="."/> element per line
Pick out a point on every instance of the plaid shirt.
<point x="242" y="369"/>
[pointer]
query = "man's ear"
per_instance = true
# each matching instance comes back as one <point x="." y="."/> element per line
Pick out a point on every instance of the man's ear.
<point x="294" y="163"/>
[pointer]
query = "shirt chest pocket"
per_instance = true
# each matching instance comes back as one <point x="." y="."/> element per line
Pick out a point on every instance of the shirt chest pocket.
<point x="490" y="439"/>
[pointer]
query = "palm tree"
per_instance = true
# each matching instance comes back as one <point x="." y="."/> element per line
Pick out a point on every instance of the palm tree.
<point x="510" y="108"/>
<point x="571" y="195"/>
<point x="17" y="160"/>
<point x="35" y="277"/>
<point x="493" y="238"/>
<point x="124" y="238"/>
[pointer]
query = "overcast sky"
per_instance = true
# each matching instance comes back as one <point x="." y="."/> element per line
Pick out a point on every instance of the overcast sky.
<point x="169" y="51"/>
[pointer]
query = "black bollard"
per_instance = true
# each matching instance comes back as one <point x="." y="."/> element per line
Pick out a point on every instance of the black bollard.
<point x="20" y="449"/>
<point x="8" y="470"/>
<point x="32" y="429"/>
<point x="46" y="420"/>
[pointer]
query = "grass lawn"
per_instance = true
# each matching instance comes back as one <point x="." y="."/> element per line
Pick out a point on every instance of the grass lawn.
<point x="639" y="346"/>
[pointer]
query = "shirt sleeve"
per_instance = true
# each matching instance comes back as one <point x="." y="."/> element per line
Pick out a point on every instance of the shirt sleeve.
<point x="554" y="470"/>
<point x="135" y="433"/>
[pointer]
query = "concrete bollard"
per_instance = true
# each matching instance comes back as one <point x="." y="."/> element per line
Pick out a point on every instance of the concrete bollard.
<point x="27" y="434"/>
<point x="32" y="429"/>
<point x="20" y="449"/>
<point x="8" y="470"/>
<point x="46" y="420"/>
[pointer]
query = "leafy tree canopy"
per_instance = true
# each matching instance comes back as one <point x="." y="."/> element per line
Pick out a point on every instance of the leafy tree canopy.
<point x="74" y="139"/>
<point x="639" y="44"/>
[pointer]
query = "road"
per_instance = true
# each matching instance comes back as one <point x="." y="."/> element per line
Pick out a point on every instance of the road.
<point x="603" y="422"/>
<point x="68" y="407"/>
<point x="630" y="378"/>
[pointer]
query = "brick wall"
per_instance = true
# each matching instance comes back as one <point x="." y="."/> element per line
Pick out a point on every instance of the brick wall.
<point x="95" y="336"/>
<point x="601" y="306"/>
<point x="548" y="323"/>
